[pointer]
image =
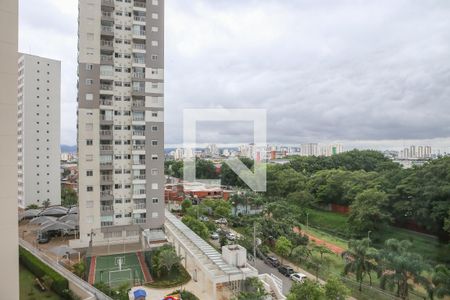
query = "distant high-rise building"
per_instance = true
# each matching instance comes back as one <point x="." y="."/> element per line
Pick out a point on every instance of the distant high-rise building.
<point x="412" y="151"/>
<point x="427" y="151"/>
<point x="420" y="152"/>
<point x="120" y="117"/>
<point x="9" y="260"/>
<point x="39" y="105"/>
<point x="310" y="149"/>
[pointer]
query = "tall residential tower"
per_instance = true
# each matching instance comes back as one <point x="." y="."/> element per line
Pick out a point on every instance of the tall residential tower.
<point x="9" y="259"/>
<point x="120" y="118"/>
<point x="39" y="153"/>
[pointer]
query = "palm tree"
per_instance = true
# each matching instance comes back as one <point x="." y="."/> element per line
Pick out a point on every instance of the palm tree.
<point x="168" y="259"/>
<point x="441" y="281"/>
<point x="401" y="267"/>
<point x="361" y="260"/>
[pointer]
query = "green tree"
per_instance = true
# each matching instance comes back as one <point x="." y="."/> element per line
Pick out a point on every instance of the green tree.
<point x="222" y="209"/>
<point x="401" y="268"/>
<point x="368" y="211"/>
<point x="168" y="258"/>
<point x="360" y="260"/>
<point x="197" y="226"/>
<point x="441" y="281"/>
<point x="69" y="197"/>
<point x="79" y="269"/>
<point x="335" y="289"/>
<point x="301" y="253"/>
<point x="307" y="290"/>
<point x="253" y="289"/>
<point x="185" y="205"/>
<point x="283" y="247"/>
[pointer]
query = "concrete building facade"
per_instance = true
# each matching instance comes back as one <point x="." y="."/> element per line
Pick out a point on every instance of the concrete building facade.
<point x="120" y="117"/>
<point x="9" y="260"/>
<point x="38" y="129"/>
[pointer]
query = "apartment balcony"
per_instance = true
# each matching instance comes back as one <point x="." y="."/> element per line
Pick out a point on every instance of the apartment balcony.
<point x="139" y="19"/>
<point x="140" y="206"/>
<point x="139" y="221"/>
<point x="107" y="31"/>
<point x="139" y="162"/>
<point x="106" y="223"/>
<point x="139" y="61"/>
<point x="139" y="5"/>
<point x="108" y="4"/>
<point x="139" y="177"/>
<point x="106" y="148"/>
<point x="106" y="134"/>
<point x="106" y="179"/>
<point x="106" y="102"/>
<point x="106" y="166"/>
<point x="138" y="133"/>
<point x="138" y="105"/>
<point x="107" y="208"/>
<point x="139" y="47"/>
<point x="139" y="34"/>
<point x="106" y="46"/>
<point x="106" y="195"/>
<point x="138" y="75"/>
<point x="139" y="148"/>
<point x="107" y="16"/>
<point x="106" y="59"/>
<point x="106" y="87"/>
<point x="138" y="119"/>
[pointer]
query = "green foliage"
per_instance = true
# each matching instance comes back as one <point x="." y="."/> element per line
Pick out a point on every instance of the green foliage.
<point x="400" y="268"/>
<point x="32" y="206"/>
<point x="361" y="260"/>
<point x="229" y="177"/>
<point x="368" y="211"/>
<point x="441" y="281"/>
<point x="79" y="269"/>
<point x="185" y="205"/>
<point x="59" y="284"/>
<point x="283" y="246"/>
<point x="197" y="226"/>
<point x="68" y="197"/>
<point x="253" y="289"/>
<point x="121" y="293"/>
<point x="335" y="289"/>
<point x="307" y="290"/>
<point x="168" y="258"/>
<point x="185" y="295"/>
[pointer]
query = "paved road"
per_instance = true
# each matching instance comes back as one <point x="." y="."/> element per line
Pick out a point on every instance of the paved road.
<point x="263" y="268"/>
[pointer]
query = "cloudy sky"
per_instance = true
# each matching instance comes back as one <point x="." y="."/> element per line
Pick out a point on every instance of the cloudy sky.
<point x="352" y="71"/>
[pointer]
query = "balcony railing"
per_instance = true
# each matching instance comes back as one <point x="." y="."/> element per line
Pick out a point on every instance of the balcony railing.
<point x="106" y="102"/>
<point x="139" y="221"/>
<point x="139" y="18"/>
<point x="139" y="132"/>
<point x="138" y="103"/>
<point x="139" y="177"/>
<point x="105" y="132"/>
<point x="139" y="32"/>
<point x="139" y="147"/>
<point x="107" y="208"/>
<point x="107" y="29"/>
<point x="138" y="118"/>
<point x="105" y="118"/>
<point x="139" y="75"/>
<point x="139" y="61"/>
<point x="106" y="164"/>
<point x="139" y="46"/>
<point x="106" y="87"/>
<point x="106" y="147"/>
<point x="106" y="43"/>
<point x="108" y="2"/>
<point x="140" y="206"/>
<point x="107" y="223"/>
<point x="106" y="178"/>
<point x="107" y="14"/>
<point x="139" y="162"/>
<point x="106" y="58"/>
<point x="105" y="193"/>
<point x="139" y="4"/>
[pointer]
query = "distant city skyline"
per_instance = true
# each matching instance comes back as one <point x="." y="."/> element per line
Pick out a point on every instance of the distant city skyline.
<point x="346" y="72"/>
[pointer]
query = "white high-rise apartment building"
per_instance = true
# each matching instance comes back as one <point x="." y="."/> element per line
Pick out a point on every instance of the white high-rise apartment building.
<point x="39" y="103"/>
<point x="120" y="118"/>
<point x="9" y="258"/>
<point x="310" y="149"/>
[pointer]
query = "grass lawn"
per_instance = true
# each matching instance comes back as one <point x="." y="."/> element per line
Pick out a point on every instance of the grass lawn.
<point x="28" y="289"/>
<point x="175" y="278"/>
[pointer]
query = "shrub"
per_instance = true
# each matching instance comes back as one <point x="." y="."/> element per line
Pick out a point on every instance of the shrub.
<point x="59" y="284"/>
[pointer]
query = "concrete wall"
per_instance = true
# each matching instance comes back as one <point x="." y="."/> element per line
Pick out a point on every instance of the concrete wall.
<point x="9" y="272"/>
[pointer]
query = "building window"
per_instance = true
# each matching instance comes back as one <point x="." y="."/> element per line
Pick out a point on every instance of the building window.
<point x="154" y="186"/>
<point x="89" y="67"/>
<point x="154" y="114"/>
<point x="155" y="200"/>
<point x="155" y="16"/>
<point x="89" y="97"/>
<point x="154" y="215"/>
<point x="154" y="2"/>
<point x="154" y="171"/>
<point x="155" y="43"/>
<point x="89" y="81"/>
<point x="89" y="157"/>
<point x="89" y="142"/>
<point x="89" y="188"/>
<point x="154" y="157"/>
<point x="154" y="57"/>
<point x="118" y="216"/>
<point x="89" y="173"/>
<point x="154" y="128"/>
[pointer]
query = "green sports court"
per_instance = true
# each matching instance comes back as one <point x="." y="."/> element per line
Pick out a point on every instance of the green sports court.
<point x="119" y="269"/>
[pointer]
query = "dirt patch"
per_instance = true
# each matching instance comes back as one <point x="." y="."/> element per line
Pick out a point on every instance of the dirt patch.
<point x="332" y="247"/>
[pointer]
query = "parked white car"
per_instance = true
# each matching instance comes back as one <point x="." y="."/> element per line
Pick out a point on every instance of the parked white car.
<point x="222" y="221"/>
<point x="298" y="277"/>
<point x="231" y="236"/>
<point x="214" y="236"/>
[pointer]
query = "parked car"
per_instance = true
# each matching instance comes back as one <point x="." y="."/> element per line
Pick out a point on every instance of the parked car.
<point x="286" y="270"/>
<point x="298" y="277"/>
<point x="222" y="221"/>
<point x="231" y="236"/>
<point x="43" y="238"/>
<point x="204" y="218"/>
<point x="214" y="236"/>
<point x="272" y="261"/>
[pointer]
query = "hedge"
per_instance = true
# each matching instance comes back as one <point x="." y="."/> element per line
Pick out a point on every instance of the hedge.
<point x="60" y="285"/>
